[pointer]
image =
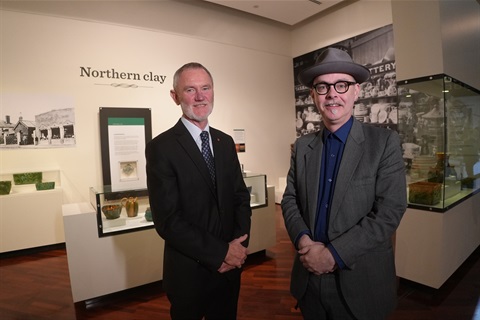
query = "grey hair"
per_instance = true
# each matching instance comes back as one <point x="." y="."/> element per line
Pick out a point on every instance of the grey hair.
<point x="189" y="66"/>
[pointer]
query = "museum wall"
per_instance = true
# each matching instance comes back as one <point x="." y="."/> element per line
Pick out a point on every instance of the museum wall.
<point x="197" y="19"/>
<point x="41" y="64"/>
<point x="433" y="37"/>
<point x="333" y="26"/>
<point x="44" y="44"/>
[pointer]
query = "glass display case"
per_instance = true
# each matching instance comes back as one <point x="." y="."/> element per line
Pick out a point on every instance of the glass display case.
<point x="120" y="212"/>
<point x="257" y="186"/>
<point x="439" y="123"/>
<point x="128" y="211"/>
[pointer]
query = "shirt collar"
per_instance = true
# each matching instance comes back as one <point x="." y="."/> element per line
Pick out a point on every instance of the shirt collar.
<point x="341" y="133"/>
<point x="193" y="129"/>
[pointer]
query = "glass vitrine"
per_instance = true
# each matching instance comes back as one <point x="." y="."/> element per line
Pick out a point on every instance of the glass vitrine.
<point x="120" y="212"/>
<point x="439" y="123"/>
<point x="128" y="211"/>
<point x="257" y="186"/>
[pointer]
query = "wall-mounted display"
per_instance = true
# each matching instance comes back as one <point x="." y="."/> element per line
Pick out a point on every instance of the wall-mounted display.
<point x="437" y="117"/>
<point x="124" y="133"/>
<point x="29" y="121"/>
<point x="127" y="211"/>
<point x="439" y="124"/>
<point x="377" y="102"/>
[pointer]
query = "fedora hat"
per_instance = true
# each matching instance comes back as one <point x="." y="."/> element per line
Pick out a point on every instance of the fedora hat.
<point x="333" y="60"/>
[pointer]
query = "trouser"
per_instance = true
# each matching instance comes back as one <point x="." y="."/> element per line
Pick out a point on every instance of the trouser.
<point x="217" y="301"/>
<point x="323" y="299"/>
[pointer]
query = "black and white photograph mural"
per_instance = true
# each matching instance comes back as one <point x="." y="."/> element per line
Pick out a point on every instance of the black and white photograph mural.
<point x="36" y="121"/>
<point x="377" y="103"/>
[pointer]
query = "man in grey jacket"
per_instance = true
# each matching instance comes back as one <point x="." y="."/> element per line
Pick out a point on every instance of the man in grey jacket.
<point x="345" y="197"/>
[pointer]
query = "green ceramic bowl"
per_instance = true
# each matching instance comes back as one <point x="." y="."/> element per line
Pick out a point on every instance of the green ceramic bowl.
<point x="5" y="187"/>
<point x="112" y="211"/>
<point x="45" y="185"/>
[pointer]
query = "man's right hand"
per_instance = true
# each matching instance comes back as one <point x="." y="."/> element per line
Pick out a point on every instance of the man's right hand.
<point x="236" y="255"/>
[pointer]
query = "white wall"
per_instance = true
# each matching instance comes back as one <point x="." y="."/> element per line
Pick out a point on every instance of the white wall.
<point x="356" y="18"/>
<point x="42" y="54"/>
<point x="44" y="43"/>
<point x="449" y="41"/>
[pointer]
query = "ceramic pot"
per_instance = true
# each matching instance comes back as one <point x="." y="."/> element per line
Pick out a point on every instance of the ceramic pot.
<point x="131" y="205"/>
<point x="5" y="187"/>
<point x="112" y="211"/>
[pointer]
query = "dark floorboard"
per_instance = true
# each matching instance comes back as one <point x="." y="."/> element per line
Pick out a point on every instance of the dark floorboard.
<point x="36" y="285"/>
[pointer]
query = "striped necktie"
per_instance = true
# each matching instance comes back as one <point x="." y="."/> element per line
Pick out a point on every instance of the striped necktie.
<point x="207" y="154"/>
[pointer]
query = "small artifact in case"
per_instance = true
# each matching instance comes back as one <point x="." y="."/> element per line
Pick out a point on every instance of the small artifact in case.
<point x="5" y="187"/>
<point x="425" y="192"/>
<point x="112" y="211"/>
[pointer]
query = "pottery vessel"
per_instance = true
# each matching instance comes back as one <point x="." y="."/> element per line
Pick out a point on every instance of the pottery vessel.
<point x="131" y="205"/>
<point x="148" y="214"/>
<point x="45" y="185"/>
<point x="5" y="187"/>
<point x="112" y="211"/>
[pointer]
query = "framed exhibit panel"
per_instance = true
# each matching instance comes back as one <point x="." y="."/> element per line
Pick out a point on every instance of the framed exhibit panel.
<point x="124" y="133"/>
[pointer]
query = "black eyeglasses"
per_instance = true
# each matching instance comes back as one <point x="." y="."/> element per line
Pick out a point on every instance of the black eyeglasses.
<point x="322" y="88"/>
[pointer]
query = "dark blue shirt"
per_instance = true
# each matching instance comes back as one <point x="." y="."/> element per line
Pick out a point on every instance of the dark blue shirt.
<point x="333" y="146"/>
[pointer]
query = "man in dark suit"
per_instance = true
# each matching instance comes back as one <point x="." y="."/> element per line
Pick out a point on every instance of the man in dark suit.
<point x="345" y="197"/>
<point x="201" y="208"/>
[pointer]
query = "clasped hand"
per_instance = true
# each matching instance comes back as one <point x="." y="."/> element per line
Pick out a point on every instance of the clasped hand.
<point x="315" y="256"/>
<point x="236" y="255"/>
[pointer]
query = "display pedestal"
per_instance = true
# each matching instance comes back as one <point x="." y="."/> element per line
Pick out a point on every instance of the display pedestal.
<point x="430" y="246"/>
<point x="263" y="233"/>
<point x="102" y="265"/>
<point x="31" y="219"/>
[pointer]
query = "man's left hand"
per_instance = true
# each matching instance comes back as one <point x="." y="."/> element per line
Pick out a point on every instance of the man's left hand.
<point x="317" y="259"/>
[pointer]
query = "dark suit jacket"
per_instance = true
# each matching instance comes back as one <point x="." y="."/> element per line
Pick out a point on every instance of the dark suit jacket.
<point x="368" y="203"/>
<point x="196" y="220"/>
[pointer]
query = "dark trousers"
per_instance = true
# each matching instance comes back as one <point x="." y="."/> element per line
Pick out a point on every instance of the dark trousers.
<point x="216" y="301"/>
<point x="323" y="300"/>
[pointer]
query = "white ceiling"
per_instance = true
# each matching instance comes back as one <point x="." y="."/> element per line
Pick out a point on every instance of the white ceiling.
<point x="289" y="12"/>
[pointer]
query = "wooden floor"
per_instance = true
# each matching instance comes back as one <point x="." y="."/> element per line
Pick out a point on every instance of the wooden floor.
<point x="37" y="286"/>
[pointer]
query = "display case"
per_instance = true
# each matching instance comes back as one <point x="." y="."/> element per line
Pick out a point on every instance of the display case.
<point x="29" y="181"/>
<point x="127" y="211"/>
<point x="257" y="186"/>
<point x="439" y="123"/>
<point x="120" y="212"/>
<point x="30" y="209"/>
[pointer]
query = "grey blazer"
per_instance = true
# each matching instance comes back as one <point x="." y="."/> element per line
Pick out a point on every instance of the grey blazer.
<point x="368" y="203"/>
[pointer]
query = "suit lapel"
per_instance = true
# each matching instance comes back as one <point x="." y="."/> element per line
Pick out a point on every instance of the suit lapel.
<point x="350" y="160"/>
<point x="313" y="158"/>
<point x="191" y="148"/>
